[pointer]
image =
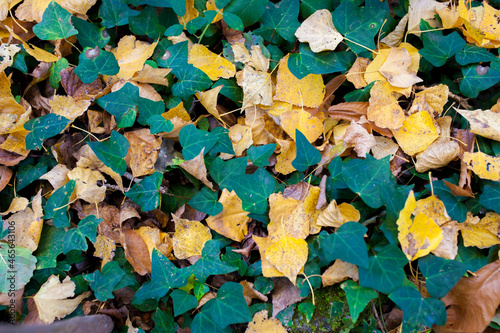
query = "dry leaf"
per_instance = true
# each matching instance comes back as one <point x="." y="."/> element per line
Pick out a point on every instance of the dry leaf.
<point x="105" y="249"/>
<point x="214" y="65"/>
<point x="241" y="137"/>
<point x="261" y="324"/>
<point x="189" y="237"/>
<point x="196" y="167"/>
<point x="423" y="9"/>
<point x="481" y="233"/>
<point x="395" y="38"/>
<point x="355" y="73"/>
<point x="142" y="152"/>
<point x="357" y="135"/>
<point x="86" y="187"/>
<point x="153" y="75"/>
<point x="417" y="133"/>
<point x="335" y="215"/>
<point x="136" y="251"/>
<point x="338" y="272"/>
<point x="319" y="32"/>
<point x="384" y="109"/>
<point x="485" y="166"/>
<point x="396" y="69"/>
<point x="384" y="147"/>
<point x="483" y="122"/>
<point x="284" y="294"/>
<point x="131" y="55"/>
<point x="249" y="293"/>
<point x="302" y="120"/>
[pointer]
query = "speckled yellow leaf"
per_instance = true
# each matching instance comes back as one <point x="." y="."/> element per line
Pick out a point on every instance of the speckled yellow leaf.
<point x="448" y="248"/>
<point x="395" y="38"/>
<point x="418" y="236"/>
<point x="308" y="92"/>
<point x="483" y="122"/>
<point x="288" y="152"/>
<point x="384" y="147"/>
<point x="288" y="255"/>
<point x="196" y="167"/>
<point x="17" y="204"/>
<point x="153" y="75"/>
<point x="355" y="75"/>
<point x="233" y="221"/>
<point x="68" y="107"/>
<point x="151" y="237"/>
<point x="268" y="270"/>
<point x="261" y="324"/>
<point x="241" y="137"/>
<point x="87" y="159"/>
<point x="212" y="64"/>
<point x="449" y="17"/>
<point x="104" y="249"/>
<point x="5" y="5"/>
<point x="189" y="237"/>
<point x="319" y="32"/>
<point x="384" y="108"/>
<point x="338" y="272"/>
<point x="491" y="221"/>
<point x="302" y="120"/>
<point x="52" y="299"/>
<point x="16" y="142"/>
<point x="417" y="133"/>
<point x="433" y="208"/>
<point x="253" y="58"/>
<point x="435" y="96"/>
<point x="86" y="187"/>
<point x="32" y="10"/>
<point x="257" y="87"/>
<point x="36" y="52"/>
<point x="396" y="69"/>
<point x="191" y="13"/>
<point x="423" y="9"/>
<point x="335" y="215"/>
<point x="478" y="233"/>
<point x="485" y="166"/>
<point x="209" y="101"/>
<point x="131" y="55"/>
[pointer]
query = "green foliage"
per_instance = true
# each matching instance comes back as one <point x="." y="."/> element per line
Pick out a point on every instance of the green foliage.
<point x="357" y="297"/>
<point x="194" y="140"/>
<point x="112" y="152"/>
<point x="75" y="239"/>
<point x="16" y="266"/>
<point x="104" y="282"/>
<point x="94" y="61"/>
<point x="146" y="193"/>
<point x="307" y="155"/>
<point x="57" y="205"/>
<point x="438" y="48"/>
<point x="206" y="201"/>
<point x="56" y="23"/>
<point x="440" y="274"/>
<point x="42" y="128"/>
<point x="122" y="104"/>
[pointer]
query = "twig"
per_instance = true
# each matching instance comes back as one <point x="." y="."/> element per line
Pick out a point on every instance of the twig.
<point x="377" y="318"/>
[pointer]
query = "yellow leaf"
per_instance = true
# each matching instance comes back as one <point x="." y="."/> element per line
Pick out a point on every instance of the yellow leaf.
<point x="485" y="166"/>
<point x="288" y="255"/>
<point x="7" y="52"/>
<point x="417" y="133"/>
<point x="257" y="87"/>
<point x="423" y="9"/>
<point x="254" y="58"/>
<point x="142" y="152"/>
<point x="261" y="324"/>
<point x="396" y="69"/>
<point x="268" y="270"/>
<point x="241" y="137"/>
<point x="417" y="236"/>
<point x="36" y="52"/>
<point x="288" y="152"/>
<point x="435" y="96"/>
<point x="211" y="6"/>
<point x="308" y="91"/>
<point x="17" y="204"/>
<point x="258" y="120"/>
<point x="191" y="13"/>
<point x="433" y="208"/>
<point x="209" y="101"/>
<point x="68" y="107"/>
<point x="384" y="147"/>
<point x="189" y="237"/>
<point x="298" y="118"/>
<point x="338" y="272"/>
<point x="395" y="38"/>
<point x="196" y="167"/>
<point x="448" y="248"/>
<point x="32" y="10"/>
<point x="153" y="75"/>
<point x="212" y="64"/>
<point x="384" y="108"/>
<point x="151" y="237"/>
<point x="477" y="232"/>
<point x="77" y="6"/>
<point x="233" y="221"/>
<point x="58" y="176"/>
<point x="5" y="5"/>
<point x="450" y="17"/>
<point x="105" y="249"/>
<point x="335" y="215"/>
<point x="52" y="299"/>
<point x="483" y="122"/>
<point x="86" y="187"/>
<point x="355" y="73"/>
<point x="88" y="159"/>
<point x="319" y="32"/>
<point x="359" y="137"/>
<point x="131" y="55"/>
<point x="16" y="142"/>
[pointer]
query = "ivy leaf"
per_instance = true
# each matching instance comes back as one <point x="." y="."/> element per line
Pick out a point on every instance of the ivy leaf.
<point x="164" y="276"/>
<point x="283" y="18"/>
<point x="454" y="207"/>
<point x="74" y="239"/>
<point x="158" y="124"/>
<point x="478" y="78"/>
<point x="194" y="140"/>
<point x="359" y="95"/>
<point x="89" y="35"/>
<point x="440" y="274"/>
<point x="203" y="321"/>
<point x="55" y="24"/>
<point x="224" y="143"/>
<point x="260" y="155"/>
<point x="376" y="173"/>
<point x="394" y="200"/>
<point x="205" y="201"/>
<point x="230" y="306"/>
<point x="348" y="244"/>
<point x="223" y="172"/>
<point x="164" y="322"/>
<point x="183" y="301"/>
<point x="112" y="152"/>
<point x="307" y="62"/>
<point x="179" y="6"/>
<point x="23" y="265"/>
<point x="148" y="108"/>
<point x="176" y="56"/>
<point x="418" y="312"/>
<point x="103" y="283"/>
<point x="57" y="205"/>
<point x="190" y="80"/>
<point x="307" y="154"/>
<point x="122" y="104"/>
<point x="473" y="54"/>
<point x="249" y="11"/>
<point x="254" y="190"/>
<point x="146" y="193"/>
<point x="115" y="13"/>
<point x="50" y="247"/>
<point x="147" y="23"/>
<point x="490" y="198"/>
<point x="42" y="128"/>
<point x="55" y="72"/>
<point x="210" y="263"/>
<point x="28" y="173"/>
<point x="94" y="61"/>
<point x="233" y="21"/>
<point x="357" y="297"/>
<point x="385" y="270"/>
<point x="438" y="48"/>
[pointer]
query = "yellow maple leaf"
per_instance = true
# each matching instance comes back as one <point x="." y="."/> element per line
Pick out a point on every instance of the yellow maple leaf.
<point x="417" y="133"/>
<point x="318" y="30"/>
<point x="191" y="13"/>
<point x="485" y="166"/>
<point x="435" y="97"/>
<point x="483" y="122"/>
<point x="52" y="299"/>
<point x="131" y="55"/>
<point x="384" y="108"/>
<point x="420" y="235"/>
<point x="288" y="255"/>
<point x="287" y="153"/>
<point x="233" y="221"/>
<point x="308" y="91"/>
<point x="212" y="64"/>
<point x="189" y="237"/>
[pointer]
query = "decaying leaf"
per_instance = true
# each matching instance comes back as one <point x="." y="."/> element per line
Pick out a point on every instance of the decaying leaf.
<point x="319" y="32"/>
<point x="189" y="237"/>
<point x="338" y="272"/>
<point x="261" y="323"/>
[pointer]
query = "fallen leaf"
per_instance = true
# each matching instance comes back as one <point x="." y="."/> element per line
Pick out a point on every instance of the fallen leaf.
<point x="423" y="10"/>
<point x="384" y="109"/>
<point x="153" y="75"/>
<point x="299" y="119"/>
<point x="335" y="215"/>
<point x="214" y="65"/>
<point x="355" y="75"/>
<point x="482" y="233"/>
<point x="358" y="136"/>
<point x="86" y="187"/>
<point x="483" y="122"/>
<point x="58" y="176"/>
<point x="287" y="153"/>
<point x="396" y="69"/>
<point x="338" y="272"/>
<point x="136" y="251"/>
<point x="208" y="99"/>
<point x="189" y="237"/>
<point x="131" y="55"/>
<point x="417" y="133"/>
<point x="241" y="137"/>
<point x="284" y="295"/>
<point x="105" y="249"/>
<point x="196" y="167"/>
<point x="485" y="166"/>
<point x="319" y="32"/>
<point x="250" y="293"/>
<point x="261" y="323"/>
<point x="142" y="152"/>
<point x="395" y="38"/>
<point x="384" y="147"/>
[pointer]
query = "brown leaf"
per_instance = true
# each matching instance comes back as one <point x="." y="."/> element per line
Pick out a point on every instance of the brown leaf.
<point x="136" y="251"/>
<point x="142" y="152"/>
<point x="5" y="175"/>
<point x="75" y="88"/>
<point x="472" y="302"/>
<point x="284" y="294"/>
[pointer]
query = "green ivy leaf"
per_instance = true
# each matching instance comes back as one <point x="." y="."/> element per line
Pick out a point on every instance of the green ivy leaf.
<point x="385" y="270"/>
<point x="223" y="172"/>
<point x="55" y="24"/>
<point x="307" y="154"/>
<point x="473" y="54"/>
<point x="103" y="283"/>
<point x="112" y="152"/>
<point x="183" y="301"/>
<point x="235" y="259"/>
<point x="490" y="198"/>
<point x="74" y="239"/>
<point x="440" y="274"/>
<point x="479" y="77"/>
<point x="454" y="207"/>
<point x="357" y="297"/>
<point x="190" y="80"/>
<point x="175" y="56"/>
<point x="230" y="306"/>
<point x="308" y="7"/>
<point x="203" y="321"/>
<point x="438" y="48"/>
<point x="471" y="257"/>
<point x="224" y="143"/>
<point x="23" y="264"/>
<point x="418" y="312"/>
<point x="347" y="244"/>
<point x="283" y="18"/>
<point x="55" y="72"/>
<point x="49" y="247"/>
<point x="164" y="322"/>
<point x="307" y="62"/>
<point x="147" y="23"/>
<point x="194" y="140"/>
<point x="359" y="95"/>
<point x="210" y="263"/>
<point x="179" y="6"/>
<point x="249" y="11"/>
<point x="230" y="89"/>
<point x="205" y="201"/>
<point x="94" y="61"/>
<point x="28" y="173"/>
<point x="376" y="174"/>
<point x="307" y="309"/>
<point x="42" y="128"/>
<point x="146" y="193"/>
<point x="115" y="13"/>
<point x="254" y="190"/>
<point x="122" y="104"/>
<point x="148" y="108"/>
<point x="260" y="155"/>
<point x="89" y="35"/>
<point x="158" y="124"/>
<point x="57" y="205"/>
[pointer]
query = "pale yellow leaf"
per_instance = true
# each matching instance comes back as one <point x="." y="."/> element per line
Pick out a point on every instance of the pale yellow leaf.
<point x="196" y="167"/>
<point x="338" y="272"/>
<point x="483" y="122"/>
<point x="189" y="237"/>
<point x="86" y="187"/>
<point x="131" y="55"/>
<point x="319" y="32"/>
<point x="262" y="324"/>
<point x="485" y="166"/>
